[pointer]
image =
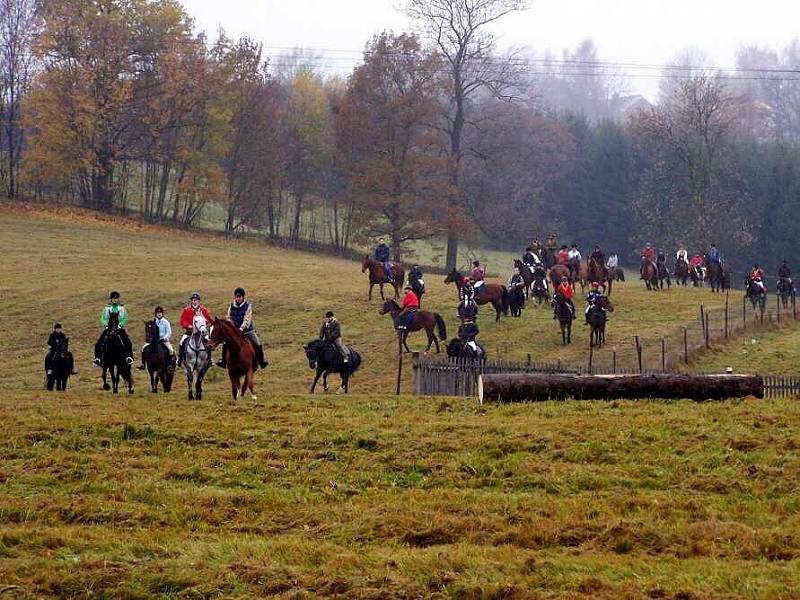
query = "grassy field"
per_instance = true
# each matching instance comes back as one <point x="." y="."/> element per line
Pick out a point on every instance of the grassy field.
<point x="775" y="351"/>
<point x="371" y="496"/>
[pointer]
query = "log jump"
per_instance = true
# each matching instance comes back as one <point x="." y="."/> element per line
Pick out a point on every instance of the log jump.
<point x="533" y="387"/>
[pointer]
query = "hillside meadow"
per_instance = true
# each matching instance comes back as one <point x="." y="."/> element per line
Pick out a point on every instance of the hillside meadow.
<point x="367" y="496"/>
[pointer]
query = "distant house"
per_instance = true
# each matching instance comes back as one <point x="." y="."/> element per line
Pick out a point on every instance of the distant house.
<point x="624" y="108"/>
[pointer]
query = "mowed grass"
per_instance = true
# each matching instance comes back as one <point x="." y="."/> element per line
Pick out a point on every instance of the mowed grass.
<point x="61" y="267"/>
<point x="371" y="496"/>
<point x="774" y="351"/>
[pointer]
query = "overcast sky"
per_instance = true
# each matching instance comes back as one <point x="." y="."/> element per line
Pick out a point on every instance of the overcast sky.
<point x="640" y="31"/>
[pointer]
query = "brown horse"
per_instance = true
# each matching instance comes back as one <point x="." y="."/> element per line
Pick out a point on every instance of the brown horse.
<point x="423" y="319"/>
<point x="597" y="271"/>
<point x="377" y="275"/>
<point x="557" y="272"/>
<point x="240" y="354"/>
<point x="489" y="293"/>
<point x="597" y="321"/>
<point x="649" y="274"/>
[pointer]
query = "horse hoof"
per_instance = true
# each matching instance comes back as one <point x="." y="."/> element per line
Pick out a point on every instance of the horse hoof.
<point x="340" y="391"/>
<point x="253" y="397"/>
<point x="115" y="392"/>
<point x="130" y="390"/>
<point x="106" y="387"/>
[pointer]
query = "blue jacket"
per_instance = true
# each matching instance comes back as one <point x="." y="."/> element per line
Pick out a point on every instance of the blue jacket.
<point x="164" y="329"/>
<point x="382" y="253"/>
<point x="714" y="255"/>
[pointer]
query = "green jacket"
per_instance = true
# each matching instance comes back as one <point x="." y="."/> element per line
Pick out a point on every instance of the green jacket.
<point x="114" y="308"/>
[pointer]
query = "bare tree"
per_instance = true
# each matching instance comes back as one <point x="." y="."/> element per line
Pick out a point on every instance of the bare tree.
<point x="459" y="31"/>
<point x="17" y="31"/>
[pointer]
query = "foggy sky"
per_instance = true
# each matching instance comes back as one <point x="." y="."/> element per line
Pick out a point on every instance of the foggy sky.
<point x="640" y="31"/>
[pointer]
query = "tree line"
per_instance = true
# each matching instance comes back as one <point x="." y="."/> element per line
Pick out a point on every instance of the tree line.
<point x="118" y="105"/>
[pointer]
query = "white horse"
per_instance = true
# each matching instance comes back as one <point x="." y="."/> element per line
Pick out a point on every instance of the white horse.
<point x="197" y="359"/>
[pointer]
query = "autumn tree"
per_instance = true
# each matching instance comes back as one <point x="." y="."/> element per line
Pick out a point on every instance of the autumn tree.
<point x="458" y="31"/>
<point x="392" y="163"/>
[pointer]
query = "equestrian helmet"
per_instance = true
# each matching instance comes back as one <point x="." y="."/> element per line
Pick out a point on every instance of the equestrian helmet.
<point x="194" y="295"/>
<point x="239" y="291"/>
<point x="329" y="314"/>
<point x="57" y="326"/>
<point x="157" y="310"/>
<point x="564" y="278"/>
<point x="595" y="284"/>
<point x="113" y="295"/>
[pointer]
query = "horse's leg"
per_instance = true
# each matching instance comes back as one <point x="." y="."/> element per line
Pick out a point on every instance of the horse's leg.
<point x="325" y="380"/>
<point x="314" y="383"/>
<point x="189" y="381"/>
<point x="498" y="307"/>
<point x="371" y="285"/>
<point x="569" y="331"/>
<point x="405" y="341"/>
<point x="248" y="384"/>
<point x="435" y="341"/>
<point x="115" y="380"/>
<point x="345" y="381"/>
<point x="380" y="285"/>
<point x="234" y="385"/>
<point x="106" y="387"/>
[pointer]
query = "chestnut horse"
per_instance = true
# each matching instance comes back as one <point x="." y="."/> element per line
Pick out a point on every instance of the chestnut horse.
<point x="423" y="319"/>
<point x="649" y="274"/>
<point x="598" y="272"/>
<point x="377" y="276"/>
<point x="557" y="272"/>
<point x="489" y="293"/>
<point x="240" y="354"/>
<point x="597" y="321"/>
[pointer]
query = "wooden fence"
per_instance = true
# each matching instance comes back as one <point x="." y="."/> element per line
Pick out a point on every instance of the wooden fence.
<point x="459" y="377"/>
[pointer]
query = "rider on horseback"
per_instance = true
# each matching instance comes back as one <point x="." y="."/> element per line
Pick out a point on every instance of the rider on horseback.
<point x="410" y="306"/>
<point x="613" y="261"/>
<point x="591" y="298"/>
<point x="477" y="275"/>
<point x="574" y="255"/>
<point x="114" y="307"/>
<point x="562" y="258"/>
<point x="164" y="335"/>
<point x="552" y="243"/>
<point x="187" y="322"/>
<point x="661" y="263"/>
<point x="382" y="254"/>
<point x="784" y="272"/>
<point x="566" y="291"/>
<point x="714" y="256"/>
<point x="415" y="279"/>
<point x="331" y="332"/>
<point x="597" y="255"/>
<point x="515" y="280"/>
<point x="55" y="340"/>
<point x="682" y="254"/>
<point x="240" y="313"/>
<point x="536" y="247"/>
<point x="467" y="333"/>
<point x="649" y="253"/>
<point x="530" y="259"/>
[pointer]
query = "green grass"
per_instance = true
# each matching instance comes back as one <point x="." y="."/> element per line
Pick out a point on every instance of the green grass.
<point x="774" y="351"/>
<point x="371" y="495"/>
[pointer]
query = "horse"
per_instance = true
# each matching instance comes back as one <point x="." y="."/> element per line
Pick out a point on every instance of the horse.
<point x="757" y="295"/>
<point x="597" y="321"/>
<point x="649" y="273"/>
<point x="597" y="271"/>
<point x="239" y="353"/>
<point x="516" y="299"/>
<point x="785" y="291"/>
<point x="525" y="273"/>
<point x="697" y="274"/>
<point x="557" y="272"/>
<point x="489" y="293"/>
<point x="548" y="256"/>
<point x="616" y="274"/>
<point x="539" y="291"/>
<point x="114" y="357"/>
<point x="565" y="318"/>
<point x="663" y="273"/>
<point x="456" y="348"/>
<point x="197" y="357"/>
<point x="157" y="358"/>
<point x="715" y="275"/>
<point x="326" y="358"/>
<point x="681" y="271"/>
<point x="59" y="367"/>
<point x="377" y="276"/>
<point x="422" y="319"/>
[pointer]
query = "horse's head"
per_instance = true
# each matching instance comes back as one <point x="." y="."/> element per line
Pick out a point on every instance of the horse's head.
<point x="215" y="334"/>
<point x="312" y="353"/>
<point x="453" y="277"/>
<point x="113" y="324"/>
<point x="62" y="347"/>
<point x="151" y="333"/>
<point x="199" y="325"/>
<point x="605" y="302"/>
<point x="365" y="265"/>
<point x="388" y="306"/>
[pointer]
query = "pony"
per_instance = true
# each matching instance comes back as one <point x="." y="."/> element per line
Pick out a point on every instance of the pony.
<point x="157" y="359"/>
<point x="422" y="319"/>
<point x="663" y="273"/>
<point x="114" y="357"/>
<point x="649" y="273"/>
<point x="565" y="317"/>
<point x="377" y="276"/>
<point x="489" y="293"/>
<point x="516" y="299"/>
<point x="456" y="348"/>
<point x="240" y="355"/>
<point x="326" y="358"/>
<point x="681" y="271"/>
<point x="60" y="366"/>
<point x="597" y="321"/>
<point x="785" y="291"/>
<point x="197" y="357"/>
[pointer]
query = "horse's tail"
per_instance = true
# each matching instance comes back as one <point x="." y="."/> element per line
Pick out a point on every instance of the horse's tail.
<point x="441" y="326"/>
<point x="505" y="301"/>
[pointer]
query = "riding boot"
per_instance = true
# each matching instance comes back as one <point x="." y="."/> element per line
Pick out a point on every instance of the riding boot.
<point x="182" y="353"/>
<point x="142" y="366"/>
<point x="262" y="360"/>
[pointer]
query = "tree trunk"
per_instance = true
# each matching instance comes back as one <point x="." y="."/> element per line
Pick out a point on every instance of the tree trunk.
<point x="519" y="387"/>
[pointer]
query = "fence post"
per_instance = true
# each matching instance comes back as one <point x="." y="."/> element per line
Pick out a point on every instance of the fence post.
<point x="726" y="313"/>
<point x="708" y="345"/>
<point x="399" y="362"/>
<point x="415" y="378"/>
<point x="685" y="346"/>
<point x="794" y="312"/>
<point x="614" y="361"/>
<point x="591" y="357"/>
<point x="778" y="304"/>
<point x="744" y="313"/>
<point x="663" y="355"/>
<point x="638" y="353"/>
<point x="702" y="321"/>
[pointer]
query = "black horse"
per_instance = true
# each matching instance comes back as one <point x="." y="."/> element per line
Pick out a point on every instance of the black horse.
<point x="565" y="317"/>
<point x="662" y="273"/>
<point x="160" y="366"/>
<point x="114" y="357"/>
<point x="516" y="299"/>
<point x="456" y="348"/>
<point x="757" y="295"/>
<point x="58" y="365"/>
<point x="326" y="359"/>
<point x="785" y="291"/>
<point x="539" y="291"/>
<point x="681" y="271"/>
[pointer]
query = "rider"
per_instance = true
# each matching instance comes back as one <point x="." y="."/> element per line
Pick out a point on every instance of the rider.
<point x="114" y="307"/>
<point x="536" y="247"/>
<point x="467" y="332"/>
<point x="613" y="261"/>
<point x="649" y="253"/>
<point x="591" y="298"/>
<point x="331" y="331"/>
<point x="661" y="262"/>
<point x="187" y="322"/>
<point x="164" y="335"/>
<point x="562" y="257"/>
<point x="415" y="279"/>
<point x="756" y="273"/>
<point x="714" y="256"/>
<point x="566" y="291"/>
<point x="598" y="255"/>
<point x="410" y="305"/>
<point x="55" y="339"/>
<point x="682" y="254"/>
<point x="696" y="262"/>
<point x="552" y="244"/>
<point x="574" y="254"/>
<point x="240" y="313"/>
<point x="515" y="280"/>
<point x="382" y="254"/>
<point x="530" y="259"/>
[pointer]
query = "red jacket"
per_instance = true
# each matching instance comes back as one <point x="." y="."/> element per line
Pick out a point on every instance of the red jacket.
<point x="410" y="300"/>
<point x="649" y="253"/>
<point x="477" y="274"/>
<point x="697" y="261"/>
<point x="566" y="290"/>
<point x="562" y="257"/>
<point x="187" y="316"/>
